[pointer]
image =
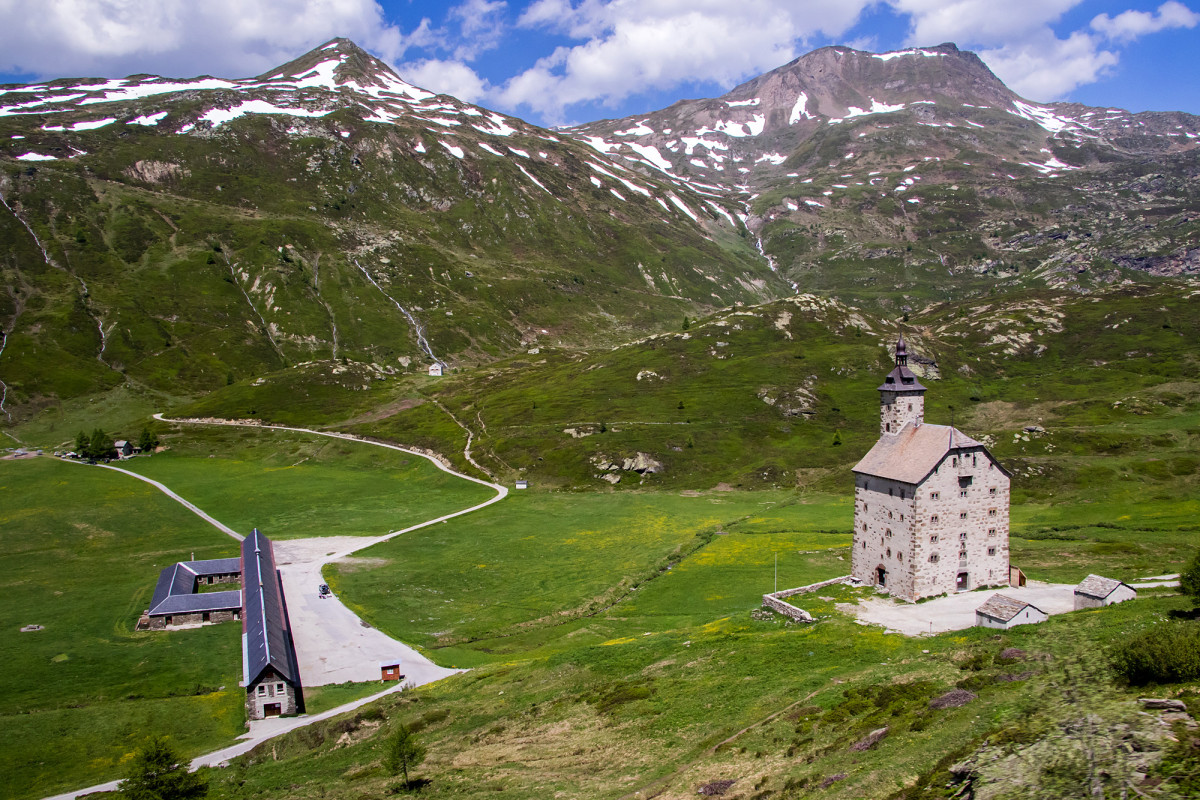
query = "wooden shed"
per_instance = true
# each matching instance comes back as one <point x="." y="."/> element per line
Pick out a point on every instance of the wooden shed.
<point x="390" y="671"/>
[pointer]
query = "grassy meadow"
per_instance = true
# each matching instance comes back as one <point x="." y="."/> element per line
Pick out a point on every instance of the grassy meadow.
<point x="674" y="684"/>
<point x="293" y="485"/>
<point x="81" y="549"/>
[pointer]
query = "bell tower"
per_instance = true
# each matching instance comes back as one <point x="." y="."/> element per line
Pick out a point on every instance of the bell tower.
<point x="901" y="397"/>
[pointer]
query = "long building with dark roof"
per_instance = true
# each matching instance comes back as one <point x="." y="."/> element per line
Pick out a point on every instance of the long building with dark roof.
<point x="930" y="502"/>
<point x="271" y="672"/>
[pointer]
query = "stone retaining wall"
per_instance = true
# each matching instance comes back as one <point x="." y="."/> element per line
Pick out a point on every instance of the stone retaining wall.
<point x="774" y="601"/>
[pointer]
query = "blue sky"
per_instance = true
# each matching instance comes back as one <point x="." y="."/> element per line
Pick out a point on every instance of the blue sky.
<point x="565" y="61"/>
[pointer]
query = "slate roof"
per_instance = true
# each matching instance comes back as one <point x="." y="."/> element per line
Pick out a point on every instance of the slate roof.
<point x="910" y="455"/>
<point x="175" y="592"/>
<point x="1098" y="587"/>
<point x="266" y="629"/>
<point x="1002" y="608"/>
<point x="901" y="379"/>
<point x="214" y="566"/>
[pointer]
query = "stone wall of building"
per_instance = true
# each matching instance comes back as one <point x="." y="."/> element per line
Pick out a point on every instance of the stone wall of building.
<point x="270" y="689"/>
<point x="896" y="410"/>
<point x="162" y="622"/>
<point x="956" y="522"/>
<point x="961" y="526"/>
<point x="212" y="580"/>
<point x="883" y="513"/>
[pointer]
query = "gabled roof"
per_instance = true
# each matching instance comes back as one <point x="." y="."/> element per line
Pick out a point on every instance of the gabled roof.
<point x="1002" y="608"/>
<point x="910" y="455"/>
<point x="267" y="632"/>
<point x="1098" y="587"/>
<point x="214" y="566"/>
<point x="175" y="592"/>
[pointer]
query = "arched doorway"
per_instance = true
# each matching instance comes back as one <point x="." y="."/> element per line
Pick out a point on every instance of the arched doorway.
<point x="880" y="576"/>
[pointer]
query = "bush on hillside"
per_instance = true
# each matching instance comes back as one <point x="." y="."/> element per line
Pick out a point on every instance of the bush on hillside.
<point x="1189" y="579"/>
<point x="1166" y="653"/>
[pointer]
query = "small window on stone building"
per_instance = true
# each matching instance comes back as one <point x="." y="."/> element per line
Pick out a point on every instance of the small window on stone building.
<point x="933" y="520"/>
<point x="991" y="512"/>
<point x="973" y="462"/>
<point x="962" y="537"/>
<point x="887" y="427"/>
<point x="910" y="406"/>
<point x="864" y="545"/>
<point x="889" y="515"/>
<point x="864" y="526"/>
<point x="888" y="533"/>
<point x="991" y="551"/>
<point x="933" y="495"/>
<point x="933" y="559"/>
<point x="962" y="555"/>
<point x="962" y="492"/>
<point x="933" y="538"/>
<point x="992" y="491"/>
<point x="899" y="555"/>
<point x="991" y="532"/>
<point x="262" y="690"/>
<point x="954" y="461"/>
<point x="965" y="480"/>
<point x="962" y="515"/>
<point x="279" y="688"/>
<point x="889" y="552"/>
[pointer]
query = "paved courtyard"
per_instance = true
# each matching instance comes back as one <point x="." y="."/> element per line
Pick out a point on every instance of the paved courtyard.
<point x="332" y="643"/>
<point x="957" y="611"/>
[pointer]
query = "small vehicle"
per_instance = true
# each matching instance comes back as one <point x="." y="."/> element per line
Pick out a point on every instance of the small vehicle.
<point x="323" y="591"/>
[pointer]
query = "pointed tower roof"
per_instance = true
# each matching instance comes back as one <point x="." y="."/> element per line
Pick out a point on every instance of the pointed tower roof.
<point x="901" y="379"/>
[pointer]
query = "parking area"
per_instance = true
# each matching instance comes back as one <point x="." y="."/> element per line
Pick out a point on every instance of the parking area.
<point x="332" y="643"/>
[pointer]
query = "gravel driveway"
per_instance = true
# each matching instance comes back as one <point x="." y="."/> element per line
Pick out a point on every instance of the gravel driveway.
<point x="332" y="643"/>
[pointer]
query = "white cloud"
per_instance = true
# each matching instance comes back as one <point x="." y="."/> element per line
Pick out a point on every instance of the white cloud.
<point x="1129" y="25"/>
<point x="182" y="38"/>
<point x="631" y="46"/>
<point x="1017" y="41"/>
<point x="482" y="25"/>
<point x="985" y="22"/>
<point x="446" y="77"/>
<point x="1046" y="68"/>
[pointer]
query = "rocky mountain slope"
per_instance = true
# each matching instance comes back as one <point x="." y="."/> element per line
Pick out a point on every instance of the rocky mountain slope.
<point x="167" y="238"/>
<point x="919" y="171"/>
<point x="173" y="236"/>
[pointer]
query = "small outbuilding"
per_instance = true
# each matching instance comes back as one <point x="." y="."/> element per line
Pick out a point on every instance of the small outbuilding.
<point x="1005" y="612"/>
<point x="436" y="369"/>
<point x="522" y="484"/>
<point x="390" y="671"/>
<point x="1096" y="592"/>
<point x="124" y="448"/>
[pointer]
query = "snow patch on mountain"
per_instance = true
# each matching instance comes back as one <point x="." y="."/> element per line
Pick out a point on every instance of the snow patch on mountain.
<point x="219" y="116"/>
<point x="641" y="129"/>
<point x="915" y="51"/>
<point x="800" y="110"/>
<point x="148" y="119"/>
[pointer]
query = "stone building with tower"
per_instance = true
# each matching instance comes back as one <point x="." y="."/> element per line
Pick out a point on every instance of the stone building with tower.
<point x="930" y="502"/>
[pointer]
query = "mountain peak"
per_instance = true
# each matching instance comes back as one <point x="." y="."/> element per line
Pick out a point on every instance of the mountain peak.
<point x="336" y="63"/>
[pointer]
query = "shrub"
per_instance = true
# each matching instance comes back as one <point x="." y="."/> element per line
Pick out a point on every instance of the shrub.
<point x="1189" y="579"/>
<point x="1166" y="653"/>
